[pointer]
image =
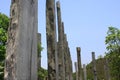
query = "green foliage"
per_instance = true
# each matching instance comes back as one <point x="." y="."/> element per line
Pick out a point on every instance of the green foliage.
<point x="39" y="49"/>
<point x="1" y="71"/>
<point x="113" y="46"/>
<point x="4" y="23"/>
<point x="99" y="68"/>
<point x="100" y="57"/>
<point x="42" y="73"/>
<point x="74" y="76"/>
<point x="113" y="39"/>
<point x="89" y="71"/>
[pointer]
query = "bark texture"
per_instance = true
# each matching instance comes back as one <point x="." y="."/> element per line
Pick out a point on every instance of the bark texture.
<point x="21" y="53"/>
<point x="51" y="40"/>
<point x="94" y="66"/>
<point x="79" y="63"/>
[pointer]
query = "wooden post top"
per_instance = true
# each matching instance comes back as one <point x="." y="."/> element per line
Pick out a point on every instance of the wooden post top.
<point x="78" y="49"/>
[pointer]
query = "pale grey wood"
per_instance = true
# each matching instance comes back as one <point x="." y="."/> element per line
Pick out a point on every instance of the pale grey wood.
<point x="79" y="63"/>
<point x="106" y="70"/>
<point x="76" y="69"/>
<point x="94" y="66"/>
<point x="21" y="53"/>
<point x="61" y="65"/>
<point x="84" y="70"/>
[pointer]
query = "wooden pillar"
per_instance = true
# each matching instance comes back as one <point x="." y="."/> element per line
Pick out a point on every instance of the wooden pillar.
<point x="70" y="65"/>
<point x="94" y="66"/>
<point x="84" y="70"/>
<point x="106" y="70"/>
<point x="61" y="65"/>
<point x="66" y="58"/>
<point x="51" y="40"/>
<point x="76" y="69"/>
<point x="68" y="61"/>
<point x="79" y="62"/>
<point x="21" y="52"/>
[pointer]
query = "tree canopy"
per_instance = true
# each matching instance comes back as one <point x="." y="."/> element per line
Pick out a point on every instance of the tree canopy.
<point x="113" y="47"/>
<point x="4" y="23"/>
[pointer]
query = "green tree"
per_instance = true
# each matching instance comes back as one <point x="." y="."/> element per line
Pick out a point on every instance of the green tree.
<point x="4" y="23"/>
<point x="42" y="73"/>
<point x="39" y="49"/>
<point x="113" y="47"/>
<point x="74" y="75"/>
<point x="99" y="67"/>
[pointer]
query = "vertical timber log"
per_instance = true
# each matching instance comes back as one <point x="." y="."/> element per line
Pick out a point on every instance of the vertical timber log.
<point x="21" y="52"/>
<point x="51" y="40"/>
<point x="65" y="51"/>
<point x="61" y="65"/>
<point x="84" y="70"/>
<point x="70" y="65"/>
<point x="79" y="62"/>
<point x="66" y="59"/>
<point x="94" y="66"/>
<point x="107" y="72"/>
<point x="76" y="69"/>
<point x="71" y="70"/>
<point x="67" y="68"/>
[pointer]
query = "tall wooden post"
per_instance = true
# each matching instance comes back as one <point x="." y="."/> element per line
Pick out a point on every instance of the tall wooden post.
<point x="84" y="70"/>
<point x="70" y="65"/>
<point x="61" y="65"/>
<point x="79" y="62"/>
<point x="51" y="40"/>
<point x="68" y="61"/>
<point x="66" y="58"/>
<point x="94" y="66"/>
<point x="21" y="53"/>
<point x="107" y="72"/>
<point x="76" y="69"/>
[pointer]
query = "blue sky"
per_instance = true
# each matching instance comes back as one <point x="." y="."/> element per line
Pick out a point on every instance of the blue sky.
<point x="86" y="23"/>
